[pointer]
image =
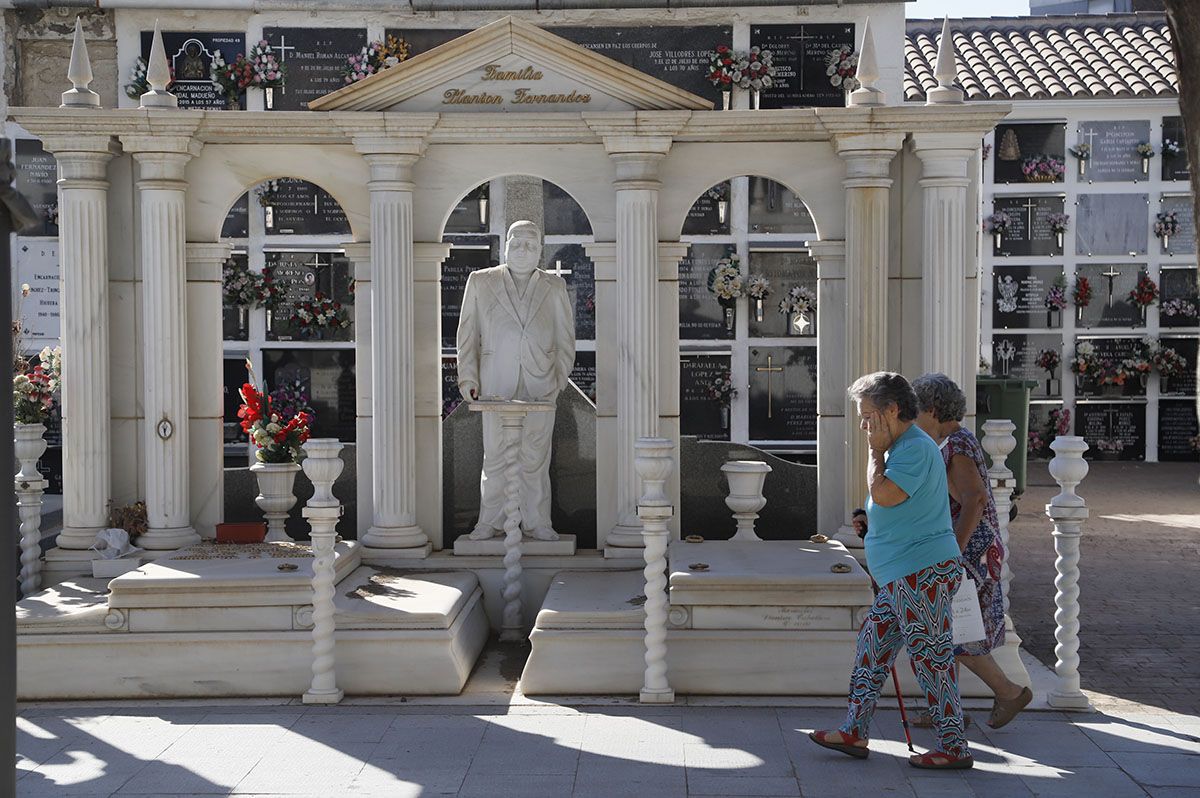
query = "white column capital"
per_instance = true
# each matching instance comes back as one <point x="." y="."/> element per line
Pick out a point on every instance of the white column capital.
<point x="163" y="162"/>
<point x="637" y="131"/>
<point x="82" y="160"/>
<point x="945" y="157"/>
<point x="384" y="132"/>
<point x="206" y="259"/>
<point x="830" y="256"/>
<point x="868" y="158"/>
<point x="359" y="254"/>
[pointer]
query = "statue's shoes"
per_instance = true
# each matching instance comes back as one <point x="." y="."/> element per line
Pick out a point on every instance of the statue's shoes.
<point x="483" y="532"/>
<point x="544" y="533"/>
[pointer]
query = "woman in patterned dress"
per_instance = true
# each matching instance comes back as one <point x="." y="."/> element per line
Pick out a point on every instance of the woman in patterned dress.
<point x="977" y="528"/>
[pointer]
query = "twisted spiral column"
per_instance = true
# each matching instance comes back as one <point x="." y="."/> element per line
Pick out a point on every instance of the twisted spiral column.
<point x="511" y="628"/>
<point x="654" y="465"/>
<point x="1067" y="511"/>
<point x="998" y="442"/>
<point x="29" y="508"/>
<point x="324" y="688"/>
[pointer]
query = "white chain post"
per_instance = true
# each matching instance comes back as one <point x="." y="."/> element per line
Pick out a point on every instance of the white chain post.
<point x="998" y="442"/>
<point x="29" y="444"/>
<point x="323" y="464"/>
<point x="512" y="624"/>
<point x="1068" y="511"/>
<point x="653" y="461"/>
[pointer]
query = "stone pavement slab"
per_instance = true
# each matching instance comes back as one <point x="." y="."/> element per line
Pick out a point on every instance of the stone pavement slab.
<point x="583" y="751"/>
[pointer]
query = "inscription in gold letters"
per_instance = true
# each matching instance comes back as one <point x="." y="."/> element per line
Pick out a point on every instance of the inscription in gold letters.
<point x="520" y="96"/>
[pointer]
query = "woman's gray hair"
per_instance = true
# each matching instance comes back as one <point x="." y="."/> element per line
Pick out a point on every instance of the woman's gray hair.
<point x="941" y="396"/>
<point x="885" y="388"/>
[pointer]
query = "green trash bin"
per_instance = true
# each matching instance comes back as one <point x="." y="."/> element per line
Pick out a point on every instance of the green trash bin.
<point x="1002" y="397"/>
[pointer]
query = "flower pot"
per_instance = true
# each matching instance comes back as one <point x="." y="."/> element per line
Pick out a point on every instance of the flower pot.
<point x="725" y="417"/>
<point x="1058" y="238"/>
<point x="1145" y="165"/>
<point x="730" y="317"/>
<point x="1053" y="318"/>
<point x="275" y="495"/>
<point x="29" y="444"/>
<point x="1041" y="179"/>
<point x="758" y="310"/>
<point x="745" y="499"/>
<point x="755" y="98"/>
<point x="247" y="532"/>
<point x="726" y="97"/>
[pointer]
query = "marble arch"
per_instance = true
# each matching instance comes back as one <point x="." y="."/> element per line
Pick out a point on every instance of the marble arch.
<point x="396" y="159"/>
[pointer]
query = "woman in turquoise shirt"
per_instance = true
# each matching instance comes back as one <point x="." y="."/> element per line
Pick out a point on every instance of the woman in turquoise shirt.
<point x="913" y="556"/>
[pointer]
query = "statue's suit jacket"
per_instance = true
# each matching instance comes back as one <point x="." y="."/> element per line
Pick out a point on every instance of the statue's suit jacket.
<point x="505" y="340"/>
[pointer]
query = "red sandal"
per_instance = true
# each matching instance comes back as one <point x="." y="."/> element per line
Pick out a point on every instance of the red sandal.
<point x="845" y="744"/>
<point x="940" y="760"/>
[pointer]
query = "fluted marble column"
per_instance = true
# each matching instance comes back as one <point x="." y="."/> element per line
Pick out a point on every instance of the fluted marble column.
<point x="83" y="298"/>
<point x="394" y="528"/>
<point x="831" y="384"/>
<point x="637" y="349"/>
<point x="359" y="255"/>
<point x="946" y="241"/>
<point x="206" y="402"/>
<point x="868" y="184"/>
<point x="166" y="438"/>
<point x="427" y="373"/>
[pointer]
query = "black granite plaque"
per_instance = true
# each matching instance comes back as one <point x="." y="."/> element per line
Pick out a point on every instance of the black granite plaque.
<point x="675" y="54"/>
<point x="1029" y="231"/>
<point x="235" y="376"/>
<point x="1019" y="297"/>
<point x="329" y="376"/>
<point x="562" y="215"/>
<point x="1017" y="356"/>
<point x="1178" y="431"/>
<point x="701" y="316"/>
<point x="451" y="396"/>
<point x="190" y="54"/>
<point x="1114" y="144"/>
<point x="1110" y="305"/>
<point x="801" y="53"/>
<point x="1174" y="164"/>
<point x="783" y="393"/>
<point x="235" y="321"/>
<point x="455" y="269"/>
<point x="709" y="214"/>
<point x="237" y="221"/>
<point x="699" y="413"/>
<point x="783" y="269"/>
<point x="298" y="277"/>
<point x="37" y="180"/>
<point x="1179" y="296"/>
<point x="1031" y="140"/>
<point x="584" y="373"/>
<point x="1116" y="350"/>
<point x="1111" y="224"/>
<point x="1189" y="349"/>
<point x="471" y="214"/>
<point x="302" y="208"/>
<point x="421" y="40"/>
<point x="315" y="62"/>
<point x="1184" y="241"/>
<point x="1123" y="422"/>
<point x="570" y="262"/>
<point x="775" y="209"/>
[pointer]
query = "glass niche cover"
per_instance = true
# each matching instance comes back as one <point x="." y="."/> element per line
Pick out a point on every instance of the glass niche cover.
<point x="310" y="296"/>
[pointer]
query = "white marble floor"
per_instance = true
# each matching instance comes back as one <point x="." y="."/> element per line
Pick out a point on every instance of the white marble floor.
<point x="702" y="748"/>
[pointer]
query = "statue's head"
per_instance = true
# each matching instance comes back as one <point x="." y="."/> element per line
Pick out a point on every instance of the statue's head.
<point x="523" y="248"/>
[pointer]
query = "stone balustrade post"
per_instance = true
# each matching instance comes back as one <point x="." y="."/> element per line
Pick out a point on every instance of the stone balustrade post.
<point x="1068" y="512"/>
<point x="998" y="442"/>
<point x="161" y="161"/>
<point x="655" y="463"/>
<point x="322" y="464"/>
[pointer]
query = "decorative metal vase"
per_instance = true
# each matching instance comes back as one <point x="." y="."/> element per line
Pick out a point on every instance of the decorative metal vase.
<point x="730" y="317"/>
<point x="1058" y="238"/>
<point x="758" y="310"/>
<point x="998" y="239"/>
<point x="1145" y="164"/>
<point x="755" y="98"/>
<point x="726" y="97"/>
<point x="725" y="416"/>
<point x="1166" y="242"/>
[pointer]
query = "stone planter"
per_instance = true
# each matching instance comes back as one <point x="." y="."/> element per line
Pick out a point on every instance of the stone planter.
<point x="746" y="478"/>
<point x="276" y="482"/>
<point x="29" y="444"/>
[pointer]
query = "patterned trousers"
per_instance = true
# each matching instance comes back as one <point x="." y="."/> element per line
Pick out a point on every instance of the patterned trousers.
<point x="915" y="612"/>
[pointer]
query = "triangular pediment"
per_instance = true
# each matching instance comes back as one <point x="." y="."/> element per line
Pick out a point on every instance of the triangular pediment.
<point x="510" y="66"/>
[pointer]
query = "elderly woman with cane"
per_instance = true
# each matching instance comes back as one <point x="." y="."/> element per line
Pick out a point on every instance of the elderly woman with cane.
<point x="977" y="529"/>
<point x="914" y="558"/>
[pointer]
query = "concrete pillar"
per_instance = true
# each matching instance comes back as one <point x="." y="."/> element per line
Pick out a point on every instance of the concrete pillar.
<point x="868" y="184"/>
<point x="832" y="429"/>
<point x="359" y="254"/>
<point x="83" y="298"/>
<point x="161" y="189"/>
<point x="206" y="401"/>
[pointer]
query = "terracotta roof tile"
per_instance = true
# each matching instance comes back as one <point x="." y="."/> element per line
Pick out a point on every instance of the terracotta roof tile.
<point x="1018" y="58"/>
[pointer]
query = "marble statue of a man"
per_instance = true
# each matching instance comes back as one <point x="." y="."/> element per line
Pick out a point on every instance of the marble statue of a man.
<point x="516" y="340"/>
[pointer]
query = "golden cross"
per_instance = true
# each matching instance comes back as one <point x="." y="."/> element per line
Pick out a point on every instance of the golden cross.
<point x="769" y="370"/>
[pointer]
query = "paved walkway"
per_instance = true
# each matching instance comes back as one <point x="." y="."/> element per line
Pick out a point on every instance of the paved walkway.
<point x="609" y="752"/>
<point x="1139" y="580"/>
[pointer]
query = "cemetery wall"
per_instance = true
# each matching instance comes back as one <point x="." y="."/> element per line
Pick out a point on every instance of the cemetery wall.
<point x="1114" y="202"/>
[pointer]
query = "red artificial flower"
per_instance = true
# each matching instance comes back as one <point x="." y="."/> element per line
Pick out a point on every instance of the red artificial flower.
<point x="721" y="48"/>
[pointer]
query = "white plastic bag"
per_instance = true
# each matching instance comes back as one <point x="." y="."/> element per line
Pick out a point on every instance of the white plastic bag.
<point x="113" y="543"/>
<point x="967" y="617"/>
